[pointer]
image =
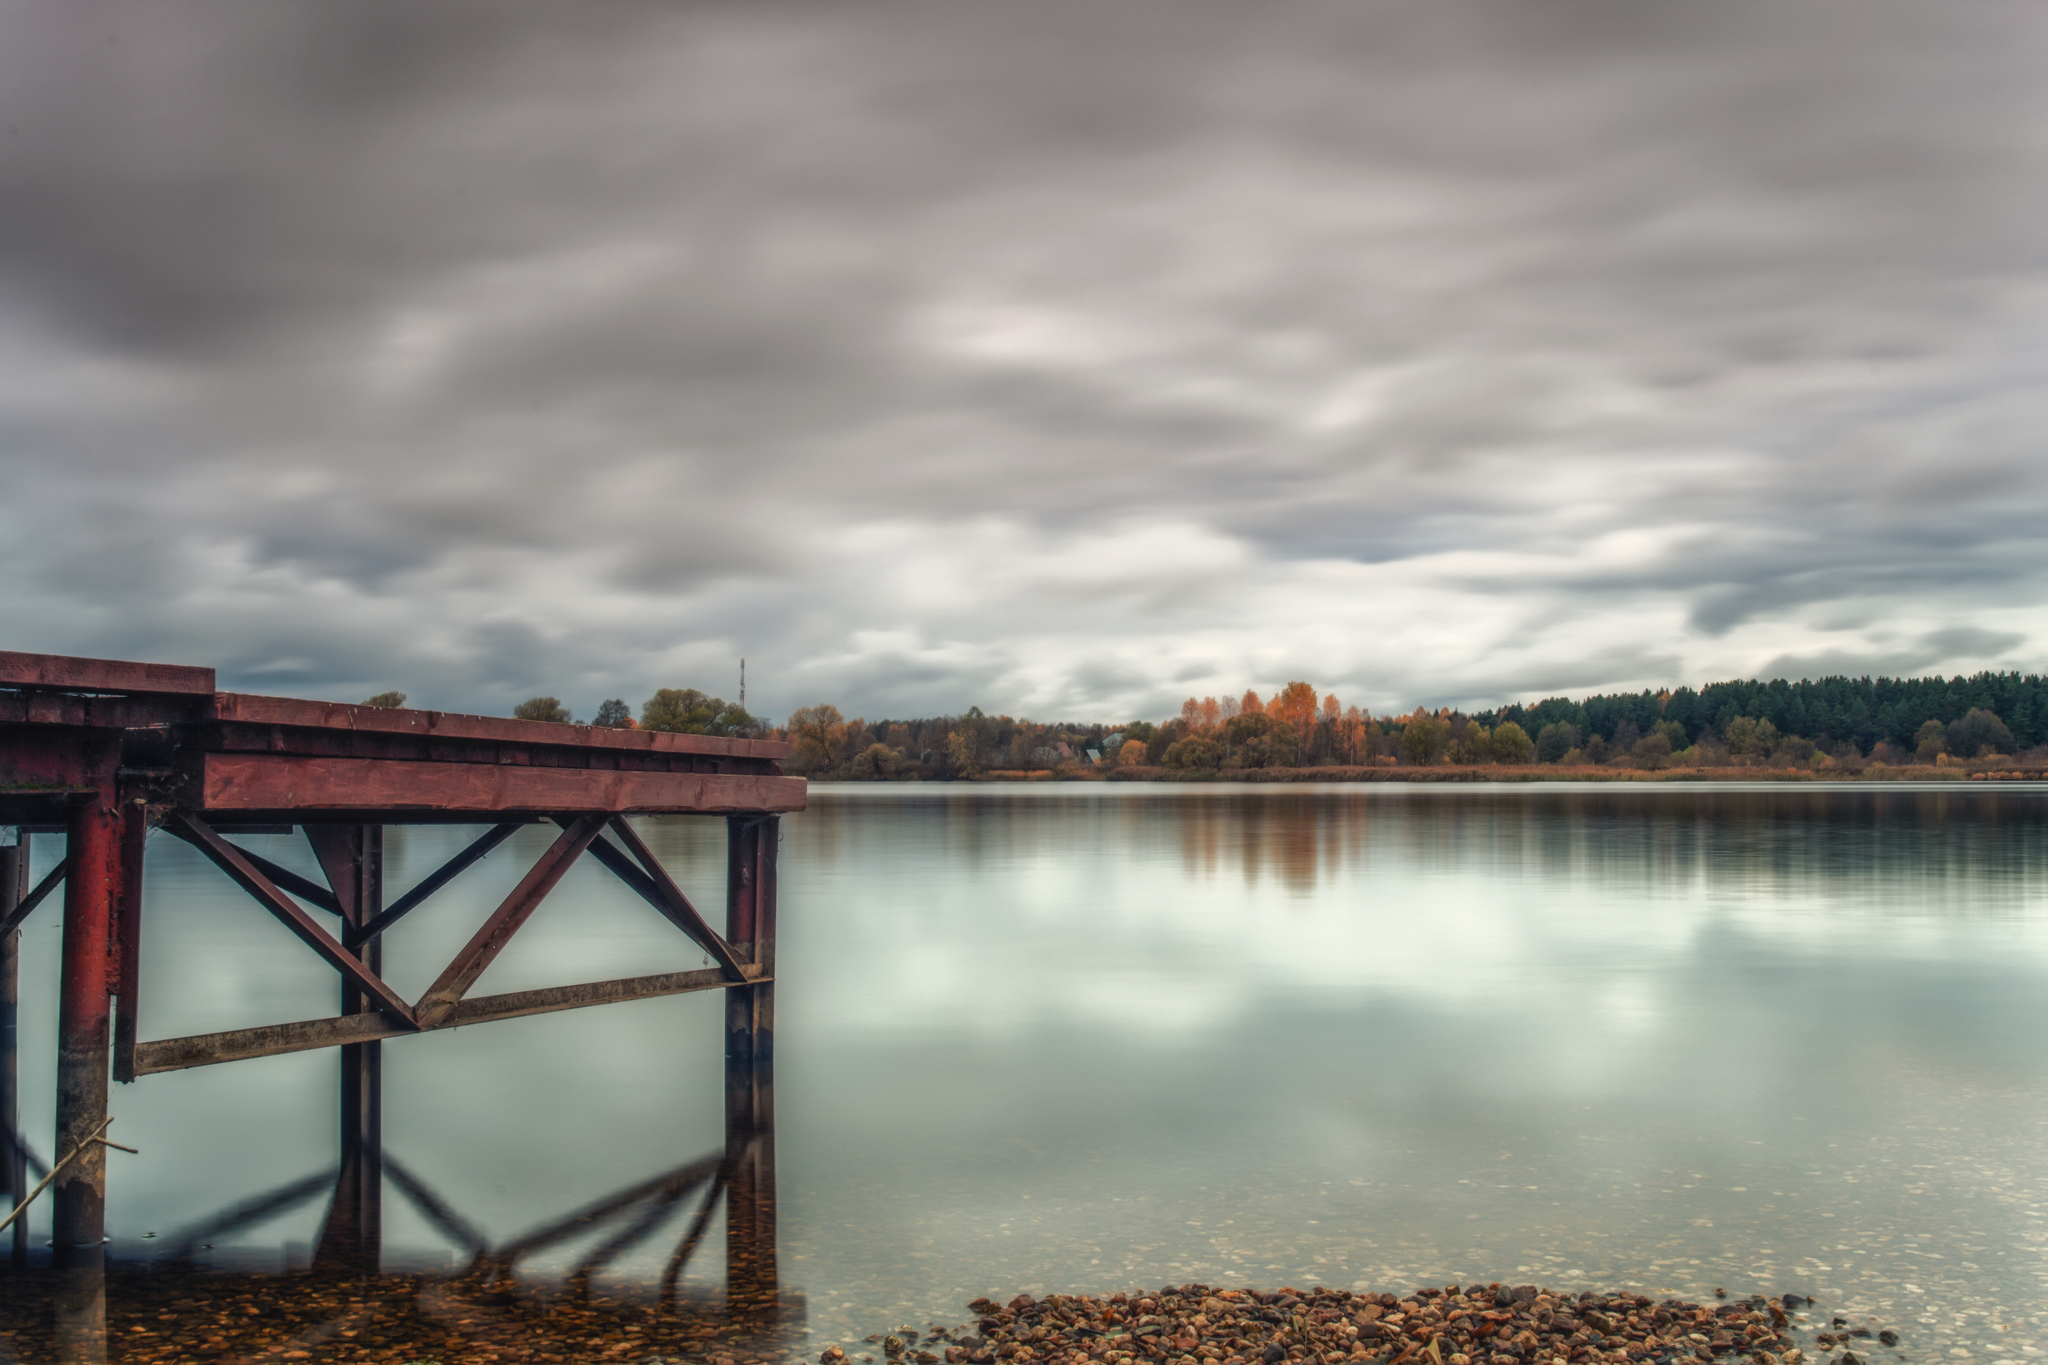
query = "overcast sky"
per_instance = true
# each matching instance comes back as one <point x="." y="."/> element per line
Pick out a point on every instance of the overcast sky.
<point x="1060" y="360"/>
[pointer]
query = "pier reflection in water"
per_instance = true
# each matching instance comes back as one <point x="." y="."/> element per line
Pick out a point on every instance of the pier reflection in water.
<point x="180" y="1305"/>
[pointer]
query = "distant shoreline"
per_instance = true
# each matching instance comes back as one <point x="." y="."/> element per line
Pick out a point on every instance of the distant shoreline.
<point x="1504" y="773"/>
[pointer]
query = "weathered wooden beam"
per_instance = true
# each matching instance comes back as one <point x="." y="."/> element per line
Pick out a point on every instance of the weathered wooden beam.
<point x="34" y="898"/>
<point x="658" y="890"/>
<point x="236" y="864"/>
<point x="491" y="937"/>
<point x="274" y="782"/>
<point x="100" y="675"/>
<point x="206" y="1049"/>
<point x="434" y="881"/>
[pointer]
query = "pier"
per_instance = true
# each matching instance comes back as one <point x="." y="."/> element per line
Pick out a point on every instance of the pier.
<point x="102" y="752"/>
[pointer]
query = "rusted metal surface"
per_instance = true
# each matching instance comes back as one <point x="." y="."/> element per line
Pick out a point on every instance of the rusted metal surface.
<point x="491" y="937"/>
<point x="352" y="859"/>
<point x="106" y="749"/>
<point x="13" y="1160"/>
<point x="126" y="969"/>
<point x="236" y="864"/>
<point x="91" y="888"/>
<point x="276" y="785"/>
<point x="651" y="880"/>
<point x="283" y="758"/>
<point x="11" y="920"/>
<point x="284" y="879"/>
<point x="750" y="917"/>
<point x="432" y="882"/>
<point x="369" y="724"/>
<point x="206" y="1049"/>
<point x="752" y="1282"/>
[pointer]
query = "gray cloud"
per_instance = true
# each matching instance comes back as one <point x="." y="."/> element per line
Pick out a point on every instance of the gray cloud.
<point x="1935" y="651"/>
<point x="1048" y="358"/>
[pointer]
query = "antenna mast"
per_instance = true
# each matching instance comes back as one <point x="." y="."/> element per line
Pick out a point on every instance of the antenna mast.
<point x="743" y="684"/>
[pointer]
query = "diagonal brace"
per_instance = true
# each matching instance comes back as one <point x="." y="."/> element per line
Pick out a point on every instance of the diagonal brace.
<point x="282" y="877"/>
<point x="34" y="898"/>
<point x="669" y="898"/>
<point x="236" y="864"/>
<point x="648" y="890"/>
<point x="433" y="882"/>
<point x="484" y="946"/>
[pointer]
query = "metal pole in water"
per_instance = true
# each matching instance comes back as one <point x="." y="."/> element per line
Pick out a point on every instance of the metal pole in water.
<point x="79" y="1216"/>
<point x="752" y="1279"/>
<point x="14" y="860"/>
<point x="352" y="1237"/>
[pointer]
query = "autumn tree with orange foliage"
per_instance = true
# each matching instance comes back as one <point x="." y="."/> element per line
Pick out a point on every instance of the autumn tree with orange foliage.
<point x="817" y="734"/>
<point x="1353" y="735"/>
<point x="1295" y="707"/>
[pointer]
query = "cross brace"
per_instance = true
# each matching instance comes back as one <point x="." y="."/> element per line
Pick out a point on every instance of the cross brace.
<point x="445" y="1003"/>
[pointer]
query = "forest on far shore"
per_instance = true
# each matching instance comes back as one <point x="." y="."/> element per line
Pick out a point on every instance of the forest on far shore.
<point x="1988" y="719"/>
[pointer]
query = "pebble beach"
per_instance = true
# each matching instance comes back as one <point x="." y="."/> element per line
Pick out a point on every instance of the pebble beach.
<point x="1490" y="1324"/>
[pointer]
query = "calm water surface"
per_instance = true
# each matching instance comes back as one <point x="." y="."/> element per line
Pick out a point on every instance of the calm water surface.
<point x="1095" y="1037"/>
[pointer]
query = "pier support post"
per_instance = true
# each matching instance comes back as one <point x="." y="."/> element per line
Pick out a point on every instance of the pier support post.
<point x="14" y="870"/>
<point x="753" y="1284"/>
<point x="92" y="886"/>
<point x="352" y="1237"/>
<point x="750" y="847"/>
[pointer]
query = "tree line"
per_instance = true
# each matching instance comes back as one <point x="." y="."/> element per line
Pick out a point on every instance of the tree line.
<point x="678" y="710"/>
<point x="1827" y="722"/>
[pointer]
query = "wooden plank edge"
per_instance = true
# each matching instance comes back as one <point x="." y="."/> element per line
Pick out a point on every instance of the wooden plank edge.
<point x="255" y="709"/>
<point x="247" y="785"/>
<point x="271" y="1040"/>
<point x="71" y="673"/>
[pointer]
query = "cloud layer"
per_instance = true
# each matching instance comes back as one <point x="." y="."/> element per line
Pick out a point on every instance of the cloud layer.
<point x="1049" y="358"/>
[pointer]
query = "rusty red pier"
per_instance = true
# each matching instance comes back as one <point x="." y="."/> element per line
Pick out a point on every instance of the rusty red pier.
<point x="104" y="751"/>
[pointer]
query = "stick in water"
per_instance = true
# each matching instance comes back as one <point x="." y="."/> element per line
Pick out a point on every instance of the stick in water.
<point x="95" y="1136"/>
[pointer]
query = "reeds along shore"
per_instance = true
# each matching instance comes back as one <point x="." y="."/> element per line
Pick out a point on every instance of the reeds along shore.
<point x="1488" y="1324"/>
